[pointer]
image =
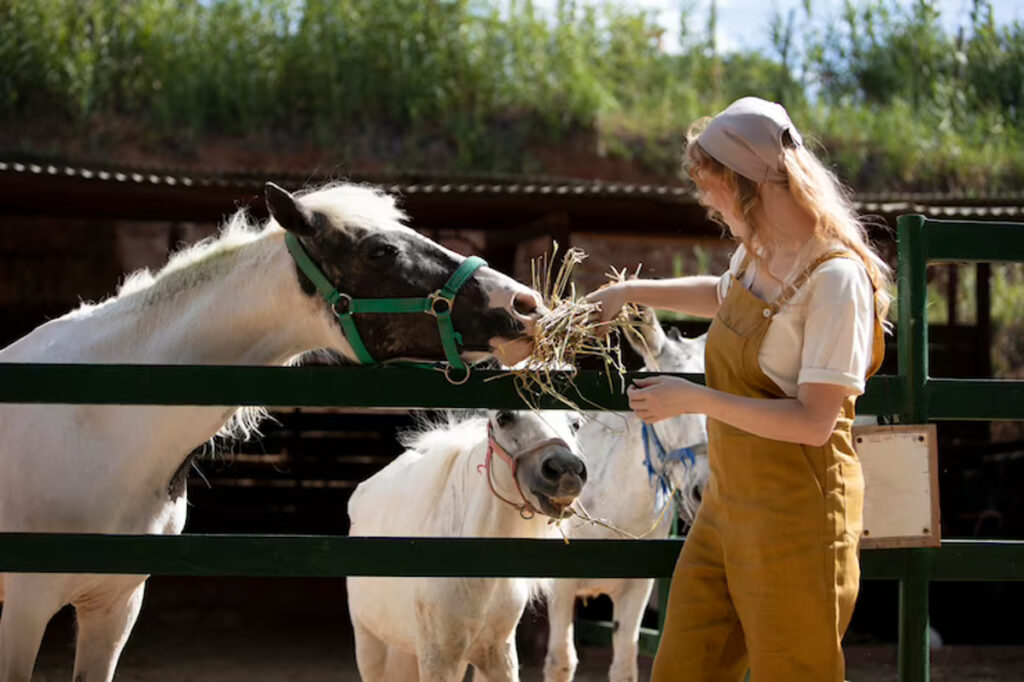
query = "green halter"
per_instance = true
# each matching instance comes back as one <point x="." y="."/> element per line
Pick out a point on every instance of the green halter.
<point x="439" y="304"/>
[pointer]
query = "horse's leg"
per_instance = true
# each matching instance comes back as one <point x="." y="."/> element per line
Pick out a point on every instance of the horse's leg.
<point x="371" y="654"/>
<point x="105" y="619"/>
<point x="629" y="609"/>
<point x="498" y="663"/>
<point x="30" y="600"/>
<point x="561" y="661"/>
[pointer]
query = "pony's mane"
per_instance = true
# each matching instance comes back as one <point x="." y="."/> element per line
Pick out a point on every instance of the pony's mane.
<point x="444" y="430"/>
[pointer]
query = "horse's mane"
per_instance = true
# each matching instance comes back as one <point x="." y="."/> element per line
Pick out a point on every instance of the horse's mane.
<point x="347" y="206"/>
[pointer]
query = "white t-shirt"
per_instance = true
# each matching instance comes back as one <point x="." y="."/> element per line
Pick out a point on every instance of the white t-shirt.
<point x="825" y="332"/>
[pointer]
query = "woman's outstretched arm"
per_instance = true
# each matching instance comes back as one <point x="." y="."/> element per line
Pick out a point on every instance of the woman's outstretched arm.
<point x="695" y="295"/>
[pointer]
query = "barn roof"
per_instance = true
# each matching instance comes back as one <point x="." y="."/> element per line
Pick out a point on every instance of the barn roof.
<point x="477" y="201"/>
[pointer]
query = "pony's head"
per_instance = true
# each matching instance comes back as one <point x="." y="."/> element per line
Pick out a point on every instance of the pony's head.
<point x="356" y="236"/>
<point x="549" y="467"/>
<point x="672" y="352"/>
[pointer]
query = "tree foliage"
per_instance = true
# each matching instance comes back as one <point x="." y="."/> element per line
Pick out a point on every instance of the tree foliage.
<point x="896" y="100"/>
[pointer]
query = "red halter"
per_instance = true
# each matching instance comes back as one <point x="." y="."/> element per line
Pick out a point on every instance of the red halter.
<point x="526" y="510"/>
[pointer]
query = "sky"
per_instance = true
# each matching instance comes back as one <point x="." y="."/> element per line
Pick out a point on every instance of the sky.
<point x="743" y="24"/>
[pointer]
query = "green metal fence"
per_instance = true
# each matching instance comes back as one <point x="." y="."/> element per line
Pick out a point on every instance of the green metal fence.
<point x="912" y="395"/>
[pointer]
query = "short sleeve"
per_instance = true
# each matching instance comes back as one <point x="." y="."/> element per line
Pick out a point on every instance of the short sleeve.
<point x="735" y="262"/>
<point x="839" y="326"/>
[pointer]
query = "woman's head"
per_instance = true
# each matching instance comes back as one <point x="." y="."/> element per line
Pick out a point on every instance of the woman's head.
<point x="750" y="154"/>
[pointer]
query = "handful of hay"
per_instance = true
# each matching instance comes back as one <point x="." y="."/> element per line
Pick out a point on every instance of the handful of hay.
<point x="569" y="332"/>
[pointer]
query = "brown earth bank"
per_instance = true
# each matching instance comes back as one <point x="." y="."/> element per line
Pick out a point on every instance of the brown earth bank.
<point x="261" y="630"/>
<point x="123" y="142"/>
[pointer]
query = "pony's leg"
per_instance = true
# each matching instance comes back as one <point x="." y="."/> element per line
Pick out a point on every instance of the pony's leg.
<point x="371" y="654"/>
<point x="105" y="620"/>
<point x="401" y="667"/>
<point x="629" y="609"/>
<point x="30" y="601"/>
<point x="498" y="663"/>
<point x="561" y="660"/>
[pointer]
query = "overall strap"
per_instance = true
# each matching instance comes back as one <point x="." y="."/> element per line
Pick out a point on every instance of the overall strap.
<point x="791" y="290"/>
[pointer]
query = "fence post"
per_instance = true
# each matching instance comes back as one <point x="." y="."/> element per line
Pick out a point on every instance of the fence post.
<point x="913" y="370"/>
<point x="914" y="641"/>
<point x="912" y="321"/>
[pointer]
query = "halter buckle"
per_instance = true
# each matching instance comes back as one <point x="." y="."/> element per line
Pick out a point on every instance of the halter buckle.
<point x="440" y="304"/>
<point x="456" y="381"/>
<point x="343" y="306"/>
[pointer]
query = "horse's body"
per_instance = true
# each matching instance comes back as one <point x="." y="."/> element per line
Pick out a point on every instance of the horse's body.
<point x="431" y="628"/>
<point x="238" y="299"/>
<point x="621" y="490"/>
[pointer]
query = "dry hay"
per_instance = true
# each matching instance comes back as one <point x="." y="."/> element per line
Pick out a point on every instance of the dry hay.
<point x="570" y="332"/>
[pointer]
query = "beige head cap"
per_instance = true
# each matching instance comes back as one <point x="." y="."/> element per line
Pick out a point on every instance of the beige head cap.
<point x="748" y="138"/>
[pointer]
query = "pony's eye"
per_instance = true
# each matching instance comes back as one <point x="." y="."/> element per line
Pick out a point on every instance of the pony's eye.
<point x="504" y="418"/>
<point x="384" y="251"/>
<point x="576" y="424"/>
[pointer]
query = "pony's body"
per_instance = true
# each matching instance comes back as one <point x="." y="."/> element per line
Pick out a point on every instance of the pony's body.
<point x="120" y="469"/>
<point x="621" y="490"/>
<point x="431" y="628"/>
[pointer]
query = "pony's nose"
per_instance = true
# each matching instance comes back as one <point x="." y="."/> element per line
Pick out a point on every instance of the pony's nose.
<point x="564" y="471"/>
<point x="527" y="304"/>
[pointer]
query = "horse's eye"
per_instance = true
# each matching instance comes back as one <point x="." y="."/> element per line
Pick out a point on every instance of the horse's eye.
<point x="384" y="251"/>
<point x="576" y="424"/>
<point x="504" y="418"/>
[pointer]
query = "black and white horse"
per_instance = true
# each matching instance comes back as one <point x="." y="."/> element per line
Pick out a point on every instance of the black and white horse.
<point x="237" y="299"/>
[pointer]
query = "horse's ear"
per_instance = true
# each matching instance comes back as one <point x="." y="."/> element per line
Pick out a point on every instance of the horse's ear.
<point x="288" y="212"/>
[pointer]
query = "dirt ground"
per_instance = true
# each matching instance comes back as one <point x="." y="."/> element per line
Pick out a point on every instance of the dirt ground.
<point x="297" y="631"/>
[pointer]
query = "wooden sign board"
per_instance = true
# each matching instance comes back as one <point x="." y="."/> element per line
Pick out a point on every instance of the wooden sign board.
<point x="901" y="485"/>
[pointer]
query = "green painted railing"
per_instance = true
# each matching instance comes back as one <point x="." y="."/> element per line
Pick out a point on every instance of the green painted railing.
<point x="912" y="395"/>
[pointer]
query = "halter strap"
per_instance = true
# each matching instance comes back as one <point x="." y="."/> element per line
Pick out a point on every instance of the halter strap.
<point x="526" y="510"/>
<point x="439" y="304"/>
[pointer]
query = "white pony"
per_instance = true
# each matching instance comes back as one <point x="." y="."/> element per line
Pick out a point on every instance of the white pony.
<point x="448" y="484"/>
<point x="629" y="486"/>
<point x="236" y="299"/>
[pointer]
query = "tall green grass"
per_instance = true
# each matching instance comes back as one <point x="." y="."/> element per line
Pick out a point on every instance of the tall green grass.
<point x="897" y="102"/>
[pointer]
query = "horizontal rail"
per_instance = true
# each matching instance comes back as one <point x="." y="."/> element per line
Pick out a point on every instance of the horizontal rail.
<point x="970" y="241"/>
<point x="336" y="556"/>
<point x="985" y="399"/>
<point x="320" y="386"/>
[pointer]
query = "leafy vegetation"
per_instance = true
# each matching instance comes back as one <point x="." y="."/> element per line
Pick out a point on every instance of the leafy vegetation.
<point x="470" y="84"/>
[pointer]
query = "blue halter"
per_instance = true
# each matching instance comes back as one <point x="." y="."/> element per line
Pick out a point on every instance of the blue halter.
<point x="686" y="455"/>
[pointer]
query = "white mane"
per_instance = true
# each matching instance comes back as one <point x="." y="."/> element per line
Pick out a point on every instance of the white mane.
<point x="447" y="432"/>
<point x="345" y="204"/>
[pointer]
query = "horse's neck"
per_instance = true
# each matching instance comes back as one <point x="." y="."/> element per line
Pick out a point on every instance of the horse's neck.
<point x="244" y="307"/>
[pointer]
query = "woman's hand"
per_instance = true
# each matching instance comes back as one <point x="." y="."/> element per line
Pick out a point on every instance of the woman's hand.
<point x="611" y="298"/>
<point x="660" y="398"/>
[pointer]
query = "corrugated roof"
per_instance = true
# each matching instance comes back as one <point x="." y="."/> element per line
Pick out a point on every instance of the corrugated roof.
<point x="939" y="205"/>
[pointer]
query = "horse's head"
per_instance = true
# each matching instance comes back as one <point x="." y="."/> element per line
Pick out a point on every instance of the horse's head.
<point x="357" y="237"/>
<point x="549" y="468"/>
<point x="671" y="352"/>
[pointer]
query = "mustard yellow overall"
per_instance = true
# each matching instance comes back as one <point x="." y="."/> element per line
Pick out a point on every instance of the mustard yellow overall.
<point x="769" y="573"/>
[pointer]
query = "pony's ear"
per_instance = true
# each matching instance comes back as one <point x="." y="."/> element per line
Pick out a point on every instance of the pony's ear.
<point x="654" y="336"/>
<point x="288" y="212"/>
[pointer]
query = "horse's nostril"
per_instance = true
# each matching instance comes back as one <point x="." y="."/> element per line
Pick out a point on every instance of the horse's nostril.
<point x="697" y="493"/>
<point x="525" y="302"/>
<point x="550" y="469"/>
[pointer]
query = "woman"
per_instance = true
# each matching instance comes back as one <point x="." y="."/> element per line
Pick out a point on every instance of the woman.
<point x="769" y="573"/>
